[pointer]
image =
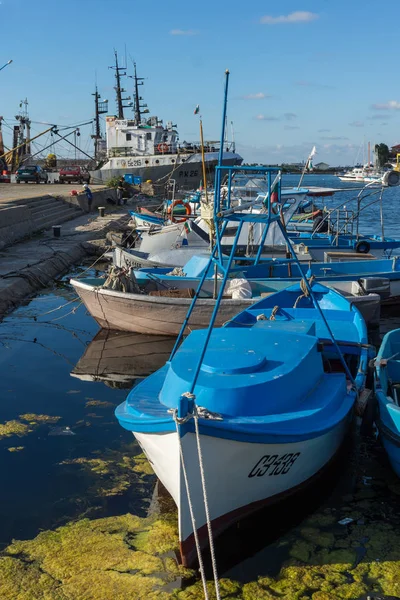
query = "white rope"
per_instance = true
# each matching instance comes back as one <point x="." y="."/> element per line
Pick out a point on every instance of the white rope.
<point x="203" y="484"/>
<point x="192" y="517"/>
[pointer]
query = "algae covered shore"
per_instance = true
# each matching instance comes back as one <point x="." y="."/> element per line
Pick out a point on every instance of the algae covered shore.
<point x="344" y="550"/>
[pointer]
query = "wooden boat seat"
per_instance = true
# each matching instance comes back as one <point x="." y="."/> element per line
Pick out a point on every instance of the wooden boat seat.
<point x="181" y="293"/>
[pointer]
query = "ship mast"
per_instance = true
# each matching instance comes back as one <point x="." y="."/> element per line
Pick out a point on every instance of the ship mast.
<point x="137" y="106"/>
<point x="101" y="107"/>
<point x="22" y="134"/>
<point x="118" y="89"/>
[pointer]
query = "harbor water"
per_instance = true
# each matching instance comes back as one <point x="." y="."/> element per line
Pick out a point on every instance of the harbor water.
<point x="65" y="458"/>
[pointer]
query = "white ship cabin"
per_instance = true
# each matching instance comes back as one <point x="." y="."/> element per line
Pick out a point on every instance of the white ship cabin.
<point x="125" y="138"/>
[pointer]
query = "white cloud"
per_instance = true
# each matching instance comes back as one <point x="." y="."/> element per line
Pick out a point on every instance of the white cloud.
<point x="299" y="16"/>
<point x="289" y="127"/>
<point x="324" y="130"/>
<point x="266" y="118"/>
<point x="258" y="96"/>
<point x="356" y="124"/>
<point x="183" y="32"/>
<point x="391" y="105"/>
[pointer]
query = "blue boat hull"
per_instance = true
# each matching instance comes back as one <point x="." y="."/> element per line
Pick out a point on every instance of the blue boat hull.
<point x="387" y="385"/>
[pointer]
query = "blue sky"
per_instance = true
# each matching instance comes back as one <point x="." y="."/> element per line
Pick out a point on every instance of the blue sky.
<point x="303" y="73"/>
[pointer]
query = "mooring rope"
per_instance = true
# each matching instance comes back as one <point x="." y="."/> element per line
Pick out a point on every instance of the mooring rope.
<point x="206" y="414"/>
<point x="179" y="421"/>
<point x="304" y="289"/>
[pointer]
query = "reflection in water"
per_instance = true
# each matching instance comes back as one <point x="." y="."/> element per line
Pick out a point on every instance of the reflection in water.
<point x="117" y="358"/>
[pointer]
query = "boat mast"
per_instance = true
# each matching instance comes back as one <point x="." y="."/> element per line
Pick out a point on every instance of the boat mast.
<point x="22" y="132"/>
<point x="136" y="100"/>
<point x="118" y="89"/>
<point x="101" y="107"/>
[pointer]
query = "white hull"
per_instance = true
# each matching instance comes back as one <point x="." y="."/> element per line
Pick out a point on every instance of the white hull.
<point x="233" y="473"/>
<point x="185" y="169"/>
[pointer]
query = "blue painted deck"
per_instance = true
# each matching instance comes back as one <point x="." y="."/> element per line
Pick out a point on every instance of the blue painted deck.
<point x="274" y="272"/>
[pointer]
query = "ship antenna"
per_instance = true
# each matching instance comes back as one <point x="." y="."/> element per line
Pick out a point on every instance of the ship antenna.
<point x="118" y="89"/>
<point x="136" y="98"/>
<point x="101" y="108"/>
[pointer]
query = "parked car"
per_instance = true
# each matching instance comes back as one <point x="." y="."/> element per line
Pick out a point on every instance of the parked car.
<point x="32" y="173"/>
<point x="74" y="173"/>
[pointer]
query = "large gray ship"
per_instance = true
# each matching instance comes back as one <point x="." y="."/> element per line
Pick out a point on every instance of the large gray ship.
<point x="147" y="149"/>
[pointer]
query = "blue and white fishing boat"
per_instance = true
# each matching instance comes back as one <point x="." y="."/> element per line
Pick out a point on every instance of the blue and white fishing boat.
<point x="261" y="436"/>
<point x="245" y="414"/>
<point x="387" y="391"/>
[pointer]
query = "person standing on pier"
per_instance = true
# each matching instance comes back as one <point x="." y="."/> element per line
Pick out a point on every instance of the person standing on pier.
<point x="121" y="191"/>
<point x="89" y="196"/>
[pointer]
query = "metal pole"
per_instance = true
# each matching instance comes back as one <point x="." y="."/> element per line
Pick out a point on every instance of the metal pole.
<point x="203" y="160"/>
<point x="221" y="148"/>
<point x="217" y="185"/>
<point x="4" y="66"/>
<point x="193" y="303"/>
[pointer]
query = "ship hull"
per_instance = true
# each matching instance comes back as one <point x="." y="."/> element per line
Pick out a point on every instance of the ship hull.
<point x="185" y="169"/>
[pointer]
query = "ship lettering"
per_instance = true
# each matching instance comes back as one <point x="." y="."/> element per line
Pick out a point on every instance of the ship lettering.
<point x="188" y="173"/>
<point x="273" y="464"/>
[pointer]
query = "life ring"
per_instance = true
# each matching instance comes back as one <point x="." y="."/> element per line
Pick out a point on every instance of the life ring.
<point x="362" y="247"/>
<point x="171" y="211"/>
<point x="163" y="148"/>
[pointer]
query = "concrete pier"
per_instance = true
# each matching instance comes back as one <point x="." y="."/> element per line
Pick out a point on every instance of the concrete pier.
<point x="31" y="257"/>
<point x="28" y="209"/>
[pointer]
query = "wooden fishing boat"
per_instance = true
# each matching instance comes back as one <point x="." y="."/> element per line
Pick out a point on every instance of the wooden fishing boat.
<point x="150" y="315"/>
<point x="261" y="436"/>
<point x="117" y="358"/>
<point x="387" y="391"/>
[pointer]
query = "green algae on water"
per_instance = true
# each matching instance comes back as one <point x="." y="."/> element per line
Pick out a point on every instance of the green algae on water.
<point x="13" y="427"/>
<point x="99" y="403"/>
<point x="17" y="427"/>
<point x="112" y="472"/>
<point x="34" y="419"/>
<point x="94" y="560"/>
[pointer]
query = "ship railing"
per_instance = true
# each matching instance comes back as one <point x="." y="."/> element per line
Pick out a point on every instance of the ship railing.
<point x="340" y="220"/>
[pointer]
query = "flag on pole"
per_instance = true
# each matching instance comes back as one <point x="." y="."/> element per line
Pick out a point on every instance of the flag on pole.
<point x="197" y="110"/>
<point x="309" y="161"/>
